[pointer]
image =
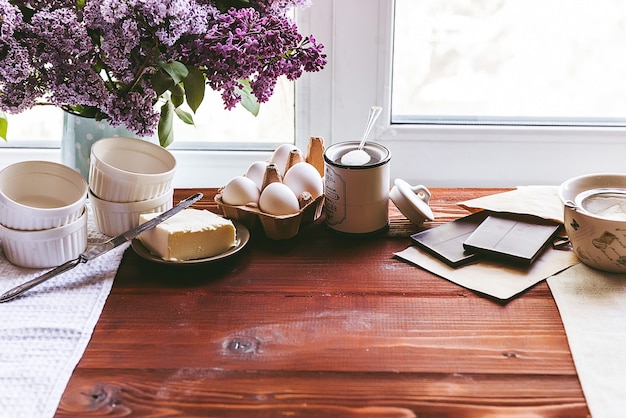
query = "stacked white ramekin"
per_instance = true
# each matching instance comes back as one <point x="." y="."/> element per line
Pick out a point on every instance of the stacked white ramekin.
<point x="43" y="213"/>
<point x="128" y="177"/>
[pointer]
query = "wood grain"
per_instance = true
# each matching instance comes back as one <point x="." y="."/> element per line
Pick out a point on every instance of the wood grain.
<point x="321" y="325"/>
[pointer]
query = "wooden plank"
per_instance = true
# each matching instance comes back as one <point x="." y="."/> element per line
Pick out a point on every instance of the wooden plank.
<point x="335" y="333"/>
<point x="322" y="325"/>
<point x="196" y="392"/>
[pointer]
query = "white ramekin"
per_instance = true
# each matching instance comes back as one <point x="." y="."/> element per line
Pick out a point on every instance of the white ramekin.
<point x="45" y="248"/>
<point x="114" y="218"/>
<point x="129" y="170"/>
<point x="37" y="195"/>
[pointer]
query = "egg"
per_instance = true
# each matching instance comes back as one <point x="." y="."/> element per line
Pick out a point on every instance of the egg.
<point x="256" y="172"/>
<point x="303" y="177"/>
<point x="278" y="199"/>
<point x="280" y="157"/>
<point x="240" y="191"/>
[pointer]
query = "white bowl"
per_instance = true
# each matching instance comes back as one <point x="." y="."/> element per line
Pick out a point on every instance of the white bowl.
<point x="129" y="169"/>
<point x="598" y="239"/>
<point x="38" y="195"/>
<point x="114" y="218"/>
<point x="45" y="248"/>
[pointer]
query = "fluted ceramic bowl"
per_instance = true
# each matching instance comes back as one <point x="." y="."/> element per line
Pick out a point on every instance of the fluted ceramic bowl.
<point x="114" y="218"/>
<point x="37" y="195"/>
<point x="45" y="248"/>
<point x="129" y="169"/>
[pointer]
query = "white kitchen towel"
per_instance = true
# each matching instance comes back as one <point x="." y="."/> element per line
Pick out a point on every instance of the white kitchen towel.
<point x="592" y="305"/>
<point x="44" y="333"/>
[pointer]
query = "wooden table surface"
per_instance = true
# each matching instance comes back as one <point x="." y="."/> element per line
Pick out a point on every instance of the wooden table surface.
<point x="321" y="325"/>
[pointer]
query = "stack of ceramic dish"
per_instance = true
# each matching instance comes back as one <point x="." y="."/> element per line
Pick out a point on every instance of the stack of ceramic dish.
<point x="128" y="177"/>
<point x="43" y="213"/>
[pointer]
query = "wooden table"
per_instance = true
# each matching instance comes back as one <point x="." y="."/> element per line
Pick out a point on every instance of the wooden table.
<point x="321" y="325"/>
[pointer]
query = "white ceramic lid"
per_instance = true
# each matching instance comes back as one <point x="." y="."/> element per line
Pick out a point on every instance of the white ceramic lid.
<point x="409" y="203"/>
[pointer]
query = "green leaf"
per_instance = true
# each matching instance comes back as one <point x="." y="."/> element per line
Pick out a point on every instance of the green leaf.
<point x="177" y="100"/>
<point x="224" y="5"/>
<point x="166" y="124"/>
<point x="184" y="116"/>
<point x="177" y="70"/>
<point x="4" y="125"/>
<point x="86" y="111"/>
<point x="161" y="82"/>
<point x="194" y="88"/>
<point x="178" y="90"/>
<point x="248" y="100"/>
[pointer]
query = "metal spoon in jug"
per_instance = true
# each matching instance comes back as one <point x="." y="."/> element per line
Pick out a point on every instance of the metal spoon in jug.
<point x="359" y="156"/>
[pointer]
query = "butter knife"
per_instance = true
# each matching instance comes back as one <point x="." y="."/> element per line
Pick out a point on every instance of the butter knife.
<point x="100" y="249"/>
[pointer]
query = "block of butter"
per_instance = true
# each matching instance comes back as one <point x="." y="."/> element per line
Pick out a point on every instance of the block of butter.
<point x="188" y="235"/>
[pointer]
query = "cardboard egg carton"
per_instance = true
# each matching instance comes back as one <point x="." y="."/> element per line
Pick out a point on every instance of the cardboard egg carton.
<point x="275" y="227"/>
<point x="281" y="227"/>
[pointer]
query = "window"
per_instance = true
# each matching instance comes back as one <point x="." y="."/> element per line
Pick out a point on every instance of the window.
<point x="538" y="62"/>
<point x="359" y="40"/>
<point x="454" y="154"/>
<point x="36" y="133"/>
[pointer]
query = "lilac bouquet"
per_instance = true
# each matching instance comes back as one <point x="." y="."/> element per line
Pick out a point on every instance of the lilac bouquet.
<point x="137" y="62"/>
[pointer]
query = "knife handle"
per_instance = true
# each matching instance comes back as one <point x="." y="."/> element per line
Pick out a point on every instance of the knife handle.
<point x="18" y="290"/>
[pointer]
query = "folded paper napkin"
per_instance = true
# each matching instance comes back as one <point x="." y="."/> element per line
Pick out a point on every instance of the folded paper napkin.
<point x="592" y="305"/>
<point x="502" y="280"/>
<point x="44" y="333"/>
<point x="494" y="278"/>
<point x="542" y="201"/>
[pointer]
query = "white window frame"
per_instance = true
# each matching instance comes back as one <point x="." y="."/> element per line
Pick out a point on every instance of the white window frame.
<point x="444" y="156"/>
<point x="333" y="104"/>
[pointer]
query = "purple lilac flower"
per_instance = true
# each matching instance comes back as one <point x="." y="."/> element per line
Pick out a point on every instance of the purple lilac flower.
<point x="245" y="44"/>
<point x="14" y="58"/>
<point x="135" y="110"/>
<point x="14" y="64"/>
<point x="16" y="98"/>
<point x="10" y="20"/>
<point x="99" y="59"/>
<point x="278" y="6"/>
<point x="62" y="33"/>
<point x="45" y="4"/>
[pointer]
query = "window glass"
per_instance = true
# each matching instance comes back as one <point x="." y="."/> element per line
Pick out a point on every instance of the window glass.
<point x="555" y="62"/>
<point x="215" y="127"/>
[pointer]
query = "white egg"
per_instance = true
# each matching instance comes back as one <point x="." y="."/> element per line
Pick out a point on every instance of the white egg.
<point x="256" y="172"/>
<point x="278" y="199"/>
<point x="280" y="157"/>
<point x="303" y="177"/>
<point x="240" y="191"/>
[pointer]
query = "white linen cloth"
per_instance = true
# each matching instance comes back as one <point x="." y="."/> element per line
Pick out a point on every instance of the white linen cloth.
<point x="44" y="332"/>
<point x="592" y="305"/>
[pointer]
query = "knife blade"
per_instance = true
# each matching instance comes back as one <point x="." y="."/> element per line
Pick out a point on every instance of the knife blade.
<point x="100" y="249"/>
